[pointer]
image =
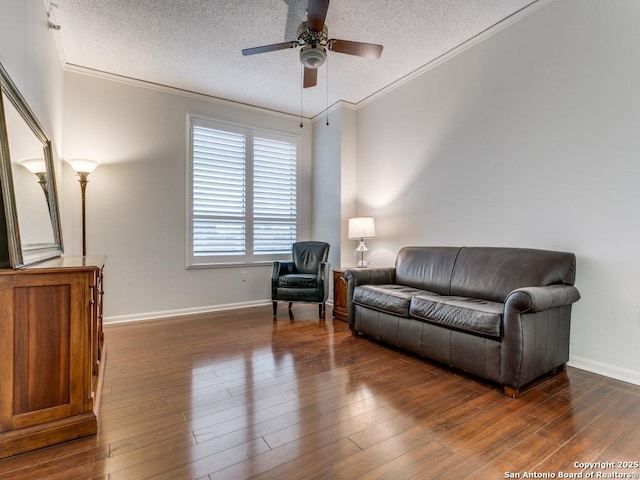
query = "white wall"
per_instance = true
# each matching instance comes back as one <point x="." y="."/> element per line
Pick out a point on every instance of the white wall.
<point x="348" y="184"/>
<point x="136" y="198"/>
<point x="528" y="139"/>
<point x="326" y="183"/>
<point x="29" y="55"/>
<point x="334" y="181"/>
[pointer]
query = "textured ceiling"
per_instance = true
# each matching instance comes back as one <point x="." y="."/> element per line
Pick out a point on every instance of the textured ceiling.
<point x="195" y="45"/>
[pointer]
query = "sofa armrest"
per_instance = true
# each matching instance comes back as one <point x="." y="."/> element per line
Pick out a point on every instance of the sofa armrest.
<point x="537" y="299"/>
<point x="365" y="276"/>
<point x="370" y="276"/>
<point x="535" y="336"/>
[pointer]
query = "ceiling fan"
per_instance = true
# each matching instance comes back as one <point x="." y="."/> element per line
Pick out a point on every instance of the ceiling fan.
<point x="313" y="38"/>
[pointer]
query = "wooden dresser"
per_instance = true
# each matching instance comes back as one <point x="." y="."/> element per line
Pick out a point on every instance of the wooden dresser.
<point x="51" y="352"/>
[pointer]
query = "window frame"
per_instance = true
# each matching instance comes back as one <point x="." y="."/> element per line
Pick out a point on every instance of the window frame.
<point x="249" y="258"/>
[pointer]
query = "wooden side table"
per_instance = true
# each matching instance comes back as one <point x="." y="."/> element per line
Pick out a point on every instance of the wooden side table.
<point x="339" y="295"/>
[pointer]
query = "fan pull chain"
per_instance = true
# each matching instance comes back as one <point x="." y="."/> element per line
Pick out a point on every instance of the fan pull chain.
<point x="301" y="90"/>
<point x="327" y="90"/>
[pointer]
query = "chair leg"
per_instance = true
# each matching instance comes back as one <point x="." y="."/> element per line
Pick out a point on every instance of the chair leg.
<point x="321" y="309"/>
<point x="290" y="305"/>
<point x="275" y="308"/>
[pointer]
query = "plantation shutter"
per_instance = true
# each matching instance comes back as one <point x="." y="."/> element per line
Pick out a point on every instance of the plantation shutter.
<point x="243" y="194"/>
<point x="274" y="196"/>
<point x="219" y="200"/>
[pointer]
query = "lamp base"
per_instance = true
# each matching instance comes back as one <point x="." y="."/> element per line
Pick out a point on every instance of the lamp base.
<point x="359" y="252"/>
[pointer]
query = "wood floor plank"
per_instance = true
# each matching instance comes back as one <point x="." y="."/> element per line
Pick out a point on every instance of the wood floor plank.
<point x="385" y="451"/>
<point x="408" y="419"/>
<point x="239" y="395"/>
<point x="602" y="433"/>
<point x="287" y="457"/>
<point x="584" y="410"/>
<point x="338" y="424"/>
<point x="172" y="467"/>
<point x="484" y="448"/>
<point x="413" y="464"/>
<point x="522" y="457"/>
<point x="496" y="416"/>
<point x="625" y="448"/>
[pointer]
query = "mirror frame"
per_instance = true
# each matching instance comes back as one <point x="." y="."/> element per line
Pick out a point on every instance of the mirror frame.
<point x="12" y="253"/>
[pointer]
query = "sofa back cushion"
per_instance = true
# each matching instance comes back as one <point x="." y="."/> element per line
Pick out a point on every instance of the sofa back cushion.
<point x="491" y="273"/>
<point x="427" y="268"/>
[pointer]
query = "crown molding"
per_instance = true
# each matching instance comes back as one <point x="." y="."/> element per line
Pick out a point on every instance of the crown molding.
<point x="70" y="67"/>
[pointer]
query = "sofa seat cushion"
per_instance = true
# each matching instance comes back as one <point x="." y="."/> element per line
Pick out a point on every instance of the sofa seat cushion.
<point x="388" y="298"/>
<point x="298" y="280"/>
<point x="471" y="315"/>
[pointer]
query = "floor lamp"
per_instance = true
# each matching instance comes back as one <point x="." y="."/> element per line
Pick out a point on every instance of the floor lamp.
<point x="359" y="229"/>
<point x="83" y="168"/>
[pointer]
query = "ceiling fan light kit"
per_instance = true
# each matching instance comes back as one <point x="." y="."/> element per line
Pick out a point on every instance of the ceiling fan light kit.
<point x="313" y="38"/>
<point x="312" y="57"/>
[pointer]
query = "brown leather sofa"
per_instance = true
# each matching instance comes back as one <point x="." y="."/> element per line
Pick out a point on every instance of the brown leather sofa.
<point x="502" y="314"/>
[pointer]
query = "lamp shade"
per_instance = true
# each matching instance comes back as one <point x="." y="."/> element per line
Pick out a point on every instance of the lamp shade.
<point x="361" y="227"/>
<point x="82" y="165"/>
<point x="34" y="165"/>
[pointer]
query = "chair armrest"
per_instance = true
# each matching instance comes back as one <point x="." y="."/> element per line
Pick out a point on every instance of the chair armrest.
<point x="365" y="276"/>
<point x="282" y="268"/>
<point x="538" y="299"/>
<point x="323" y="280"/>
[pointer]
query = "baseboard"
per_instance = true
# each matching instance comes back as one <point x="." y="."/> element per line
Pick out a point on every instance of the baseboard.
<point x="622" y="374"/>
<point x="181" y="312"/>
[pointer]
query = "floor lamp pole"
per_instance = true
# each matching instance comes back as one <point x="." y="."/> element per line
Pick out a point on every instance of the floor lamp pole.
<point x="83" y="187"/>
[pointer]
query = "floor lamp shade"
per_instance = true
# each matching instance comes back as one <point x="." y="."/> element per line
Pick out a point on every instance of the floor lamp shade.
<point x="82" y="165"/>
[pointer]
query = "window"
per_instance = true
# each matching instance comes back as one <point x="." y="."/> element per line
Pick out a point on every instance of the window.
<point x="243" y="194"/>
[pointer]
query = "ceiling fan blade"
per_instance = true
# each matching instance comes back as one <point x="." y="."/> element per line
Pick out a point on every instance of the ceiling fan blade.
<point x="269" y="48"/>
<point x="367" y="50"/>
<point x="316" y="14"/>
<point x="310" y="77"/>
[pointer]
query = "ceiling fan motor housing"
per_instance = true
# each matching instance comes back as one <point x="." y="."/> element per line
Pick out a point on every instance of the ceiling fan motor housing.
<point x="312" y="54"/>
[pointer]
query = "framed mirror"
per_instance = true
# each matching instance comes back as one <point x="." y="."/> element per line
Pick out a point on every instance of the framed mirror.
<point x="30" y="229"/>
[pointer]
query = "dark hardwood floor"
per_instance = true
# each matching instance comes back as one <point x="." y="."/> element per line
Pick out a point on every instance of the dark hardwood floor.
<point x="236" y="395"/>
